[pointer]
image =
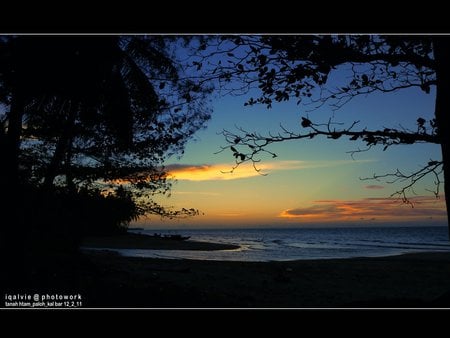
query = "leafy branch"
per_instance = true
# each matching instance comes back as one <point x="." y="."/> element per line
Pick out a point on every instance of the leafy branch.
<point x="249" y="146"/>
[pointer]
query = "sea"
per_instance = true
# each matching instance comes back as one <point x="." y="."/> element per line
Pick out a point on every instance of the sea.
<point x="262" y="245"/>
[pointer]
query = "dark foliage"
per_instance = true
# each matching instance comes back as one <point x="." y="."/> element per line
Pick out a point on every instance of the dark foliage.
<point x="86" y="123"/>
<point x="275" y="68"/>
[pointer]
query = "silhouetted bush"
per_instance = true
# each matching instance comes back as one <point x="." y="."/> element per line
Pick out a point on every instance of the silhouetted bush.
<point x="56" y="221"/>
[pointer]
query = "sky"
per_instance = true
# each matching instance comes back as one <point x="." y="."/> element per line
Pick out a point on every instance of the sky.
<point x="312" y="182"/>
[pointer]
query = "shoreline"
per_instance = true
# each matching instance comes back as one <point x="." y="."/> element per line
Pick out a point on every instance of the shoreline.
<point x="133" y="241"/>
<point x="422" y="255"/>
<point x="418" y="280"/>
<point x="158" y="255"/>
<point x="145" y="242"/>
<point x="106" y="279"/>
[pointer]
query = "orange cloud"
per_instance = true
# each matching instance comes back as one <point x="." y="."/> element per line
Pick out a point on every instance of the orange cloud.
<point x="374" y="187"/>
<point x="207" y="172"/>
<point x="369" y="208"/>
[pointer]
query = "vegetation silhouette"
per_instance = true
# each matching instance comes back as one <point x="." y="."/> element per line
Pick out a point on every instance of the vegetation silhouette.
<point x="299" y="67"/>
<point x="86" y="125"/>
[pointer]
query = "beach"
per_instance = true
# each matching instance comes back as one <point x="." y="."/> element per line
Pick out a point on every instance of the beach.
<point x="137" y="241"/>
<point x="412" y="280"/>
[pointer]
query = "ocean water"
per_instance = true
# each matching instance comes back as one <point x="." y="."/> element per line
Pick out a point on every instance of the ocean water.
<point x="294" y="244"/>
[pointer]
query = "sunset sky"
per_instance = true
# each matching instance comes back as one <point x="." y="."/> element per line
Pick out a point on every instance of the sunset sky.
<point x="311" y="182"/>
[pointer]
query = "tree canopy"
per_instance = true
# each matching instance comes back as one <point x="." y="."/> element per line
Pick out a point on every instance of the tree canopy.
<point x="301" y="67"/>
<point x="94" y="116"/>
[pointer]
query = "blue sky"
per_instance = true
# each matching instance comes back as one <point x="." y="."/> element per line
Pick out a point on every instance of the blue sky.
<point x="316" y="176"/>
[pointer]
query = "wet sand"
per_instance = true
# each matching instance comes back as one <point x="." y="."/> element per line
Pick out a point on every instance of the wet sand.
<point x="137" y="241"/>
<point x="412" y="280"/>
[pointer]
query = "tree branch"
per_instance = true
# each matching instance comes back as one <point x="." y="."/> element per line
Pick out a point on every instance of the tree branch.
<point x="434" y="168"/>
<point x="247" y="146"/>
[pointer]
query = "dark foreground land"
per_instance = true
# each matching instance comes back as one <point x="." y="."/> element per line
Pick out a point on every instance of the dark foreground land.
<point x="415" y="280"/>
<point x="137" y="241"/>
<point x="105" y="279"/>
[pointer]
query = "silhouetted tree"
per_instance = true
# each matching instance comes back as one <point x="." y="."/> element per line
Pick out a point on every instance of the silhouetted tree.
<point x="84" y="109"/>
<point x="298" y="67"/>
<point x="81" y="116"/>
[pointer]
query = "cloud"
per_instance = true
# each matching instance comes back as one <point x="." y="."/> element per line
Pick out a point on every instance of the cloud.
<point x="312" y="210"/>
<point x="208" y="172"/>
<point x="369" y="208"/>
<point x="374" y="187"/>
<point x="219" y="172"/>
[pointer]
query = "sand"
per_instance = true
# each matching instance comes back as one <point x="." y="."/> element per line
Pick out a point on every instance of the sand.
<point x="411" y="280"/>
<point x="104" y="279"/>
<point x="137" y="241"/>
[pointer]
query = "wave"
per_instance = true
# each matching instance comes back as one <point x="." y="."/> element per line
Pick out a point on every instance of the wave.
<point x="429" y="244"/>
<point x="288" y="244"/>
<point x="401" y="246"/>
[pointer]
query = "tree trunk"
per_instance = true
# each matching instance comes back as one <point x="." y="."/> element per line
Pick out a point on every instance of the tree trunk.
<point x="61" y="149"/>
<point x="12" y="232"/>
<point x="9" y="181"/>
<point x="441" y="47"/>
<point x="68" y="168"/>
<point x="13" y="141"/>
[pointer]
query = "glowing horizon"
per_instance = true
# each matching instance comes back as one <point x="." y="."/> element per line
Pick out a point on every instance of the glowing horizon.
<point x="311" y="181"/>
